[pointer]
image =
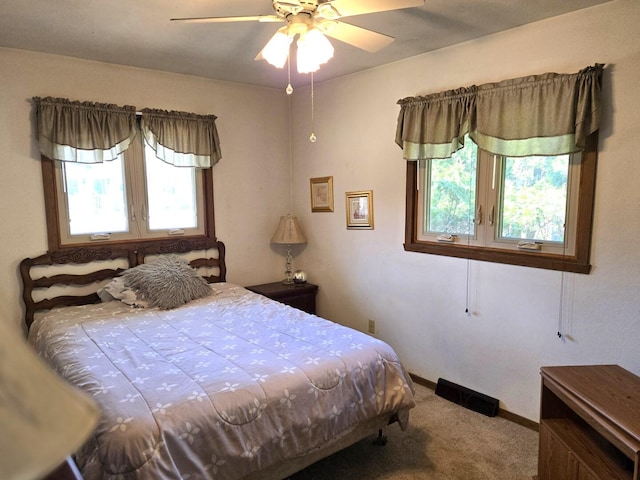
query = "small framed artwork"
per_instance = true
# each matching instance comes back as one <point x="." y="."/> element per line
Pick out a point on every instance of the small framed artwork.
<point x="322" y="194"/>
<point x="360" y="210"/>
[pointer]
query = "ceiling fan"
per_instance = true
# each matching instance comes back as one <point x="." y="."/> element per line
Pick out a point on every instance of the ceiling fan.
<point x="311" y="20"/>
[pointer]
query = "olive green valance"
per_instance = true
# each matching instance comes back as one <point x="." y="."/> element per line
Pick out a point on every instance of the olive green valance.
<point x="549" y="114"/>
<point x="83" y="132"/>
<point x="87" y="132"/>
<point x="180" y="138"/>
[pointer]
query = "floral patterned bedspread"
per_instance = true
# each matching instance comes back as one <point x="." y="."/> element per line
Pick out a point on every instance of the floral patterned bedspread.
<point x="222" y="387"/>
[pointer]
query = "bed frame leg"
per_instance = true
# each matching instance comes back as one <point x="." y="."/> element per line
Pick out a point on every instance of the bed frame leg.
<point x="381" y="440"/>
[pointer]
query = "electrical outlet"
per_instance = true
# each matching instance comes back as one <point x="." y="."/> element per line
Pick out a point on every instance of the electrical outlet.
<point x="372" y="326"/>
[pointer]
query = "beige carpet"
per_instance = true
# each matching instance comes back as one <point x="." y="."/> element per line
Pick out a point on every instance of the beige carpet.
<point x="444" y="441"/>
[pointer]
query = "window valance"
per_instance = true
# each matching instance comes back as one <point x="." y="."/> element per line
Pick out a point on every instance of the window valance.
<point x="87" y="132"/>
<point x="83" y="132"/>
<point x="549" y="114"/>
<point x="180" y="138"/>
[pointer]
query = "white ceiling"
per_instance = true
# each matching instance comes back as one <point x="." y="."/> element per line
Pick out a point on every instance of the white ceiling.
<point x="138" y="33"/>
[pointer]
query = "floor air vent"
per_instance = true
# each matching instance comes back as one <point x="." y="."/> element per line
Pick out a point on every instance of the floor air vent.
<point x="467" y="398"/>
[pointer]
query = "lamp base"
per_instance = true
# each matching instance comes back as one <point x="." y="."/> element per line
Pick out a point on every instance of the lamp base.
<point x="288" y="278"/>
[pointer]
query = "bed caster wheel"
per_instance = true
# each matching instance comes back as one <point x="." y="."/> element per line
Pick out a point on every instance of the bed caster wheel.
<point x="381" y="441"/>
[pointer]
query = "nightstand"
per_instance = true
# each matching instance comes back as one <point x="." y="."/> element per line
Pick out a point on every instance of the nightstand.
<point x="301" y="296"/>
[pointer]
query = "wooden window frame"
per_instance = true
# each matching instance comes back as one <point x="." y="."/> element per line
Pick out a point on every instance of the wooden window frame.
<point x="576" y="263"/>
<point x="54" y="238"/>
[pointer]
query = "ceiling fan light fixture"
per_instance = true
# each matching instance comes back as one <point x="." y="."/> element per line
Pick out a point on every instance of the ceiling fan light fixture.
<point x="314" y="49"/>
<point x="325" y="26"/>
<point x="328" y="11"/>
<point x="276" y="51"/>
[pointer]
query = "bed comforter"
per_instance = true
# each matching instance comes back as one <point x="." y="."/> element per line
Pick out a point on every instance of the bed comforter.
<point x="222" y="387"/>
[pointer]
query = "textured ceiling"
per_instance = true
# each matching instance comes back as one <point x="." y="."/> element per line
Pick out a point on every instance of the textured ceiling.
<point x="139" y="33"/>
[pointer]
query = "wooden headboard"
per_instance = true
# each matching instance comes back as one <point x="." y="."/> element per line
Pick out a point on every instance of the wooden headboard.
<point x="73" y="276"/>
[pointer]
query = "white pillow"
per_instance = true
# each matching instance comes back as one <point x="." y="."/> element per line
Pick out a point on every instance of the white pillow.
<point x="117" y="290"/>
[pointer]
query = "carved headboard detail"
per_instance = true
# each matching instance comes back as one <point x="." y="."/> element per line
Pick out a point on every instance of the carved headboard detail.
<point x="88" y="268"/>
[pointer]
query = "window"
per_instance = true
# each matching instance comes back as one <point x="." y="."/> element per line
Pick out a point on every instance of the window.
<point x="172" y="195"/>
<point x="135" y="197"/>
<point x="106" y="180"/>
<point x="533" y="211"/>
<point x="482" y="199"/>
<point x="447" y="190"/>
<point x="524" y="195"/>
<point x="96" y="197"/>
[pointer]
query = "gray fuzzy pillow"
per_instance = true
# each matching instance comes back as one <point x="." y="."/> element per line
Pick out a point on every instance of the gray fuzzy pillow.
<point x="166" y="282"/>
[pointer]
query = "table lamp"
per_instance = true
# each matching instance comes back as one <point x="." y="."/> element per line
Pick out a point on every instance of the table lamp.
<point x="288" y="233"/>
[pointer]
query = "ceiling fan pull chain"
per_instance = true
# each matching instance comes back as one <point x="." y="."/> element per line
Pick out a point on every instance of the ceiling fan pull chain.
<point x="312" y="137"/>
<point x="289" y="88"/>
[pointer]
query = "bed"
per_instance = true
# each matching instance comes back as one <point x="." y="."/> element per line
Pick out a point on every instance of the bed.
<point x="228" y="385"/>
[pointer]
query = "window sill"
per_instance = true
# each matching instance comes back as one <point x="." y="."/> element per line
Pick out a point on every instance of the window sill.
<point x="524" y="259"/>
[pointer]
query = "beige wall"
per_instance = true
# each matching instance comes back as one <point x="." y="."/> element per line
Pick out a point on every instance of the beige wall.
<point x="251" y="182"/>
<point x="417" y="300"/>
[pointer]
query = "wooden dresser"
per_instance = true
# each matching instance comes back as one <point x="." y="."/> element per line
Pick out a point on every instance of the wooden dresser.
<point x="589" y="423"/>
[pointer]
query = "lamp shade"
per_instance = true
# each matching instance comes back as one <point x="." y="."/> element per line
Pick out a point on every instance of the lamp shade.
<point x="276" y="51"/>
<point x="288" y="232"/>
<point x="314" y="49"/>
<point x="43" y="418"/>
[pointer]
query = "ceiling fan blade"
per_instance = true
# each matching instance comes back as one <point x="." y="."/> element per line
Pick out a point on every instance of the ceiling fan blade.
<point x="290" y="3"/>
<point x="256" y="18"/>
<point x="357" y="36"/>
<point x="349" y="8"/>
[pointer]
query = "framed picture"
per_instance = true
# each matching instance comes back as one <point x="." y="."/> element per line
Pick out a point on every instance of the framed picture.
<point x="360" y="210"/>
<point x="322" y="194"/>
